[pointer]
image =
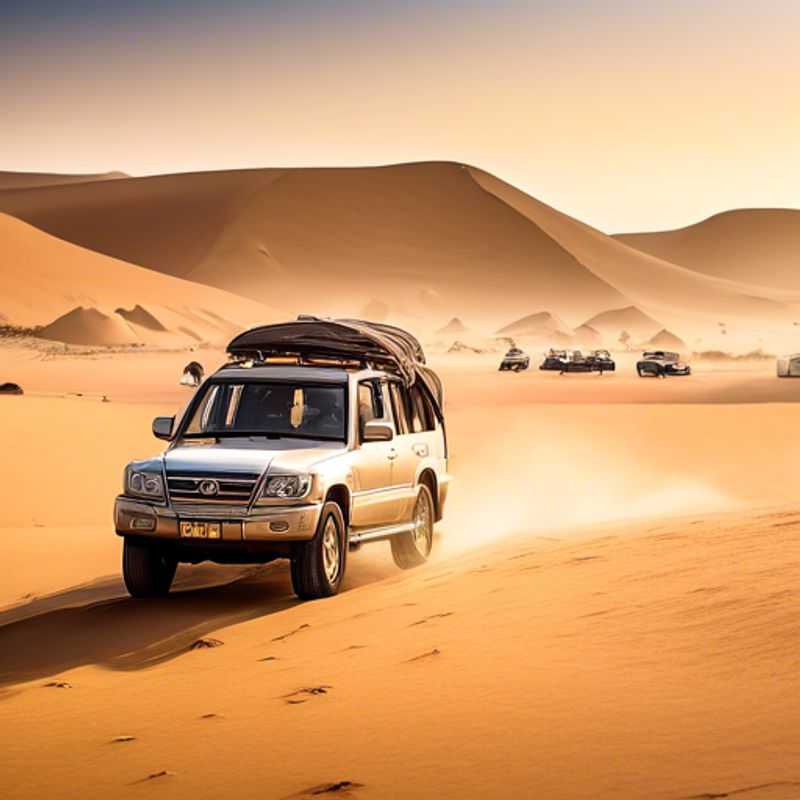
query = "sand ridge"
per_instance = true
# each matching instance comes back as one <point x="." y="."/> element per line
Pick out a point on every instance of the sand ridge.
<point x="758" y="245"/>
<point x="83" y="297"/>
<point x="438" y="238"/>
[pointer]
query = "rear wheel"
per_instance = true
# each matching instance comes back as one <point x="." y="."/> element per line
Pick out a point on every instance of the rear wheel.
<point x="147" y="569"/>
<point x="318" y="565"/>
<point x="412" y="548"/>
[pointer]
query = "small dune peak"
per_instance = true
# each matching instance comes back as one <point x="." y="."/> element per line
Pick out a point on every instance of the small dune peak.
<point x="89" y="326"/>
<point x="455" y="326"/>
<point x="666" y="340"/>
<point x="140" y="316"/>
<point x="538" y="324"/>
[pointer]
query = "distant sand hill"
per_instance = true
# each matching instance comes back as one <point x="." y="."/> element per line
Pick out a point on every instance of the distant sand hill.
<point x="630" y="320"/>
<point x="760" y="246"/>
<point x="542" y="323"/>
<point x="665" y="340"/>
<point x="328" y="238"/>
<point x="429" y="239"/>
<point x="88" y="298"/>
<point x="27" y="180"/>
<point x="455" y="326"/>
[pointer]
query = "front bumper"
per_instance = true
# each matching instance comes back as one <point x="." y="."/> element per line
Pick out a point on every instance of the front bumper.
<point x="262" y="524"/>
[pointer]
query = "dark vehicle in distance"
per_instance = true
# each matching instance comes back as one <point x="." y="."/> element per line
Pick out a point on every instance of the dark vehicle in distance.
<point x="554" y="361"/>
<point x="575" y="361"/>
<point x="515" y="360"/>
<point x="601" y="361"/>
<point x="659" y="364"/>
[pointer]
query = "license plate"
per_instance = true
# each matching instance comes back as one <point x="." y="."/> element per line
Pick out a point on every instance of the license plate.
<point x="200" y="530"/>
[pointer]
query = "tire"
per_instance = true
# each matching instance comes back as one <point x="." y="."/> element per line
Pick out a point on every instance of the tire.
<point x="412" y="548"/>
<point x="146" y="568"/>
<point x="318" y="565"/>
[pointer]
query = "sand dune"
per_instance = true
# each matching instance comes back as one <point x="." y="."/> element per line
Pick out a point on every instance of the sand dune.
<point x="43" y="278"/>
<point x="141" y="317"/>
<point x="329" y="239"/>
<point x="666" y="290"/>
<point x="630" y="320"/>
<point x="542" y="323"/>
<point x="587" y="336"/>
<point x="334" y="240"/>
<point x="758" y="245"/>
<point x="28" y="180"/>
<point x="454" y="327"/>
<point x="665" y="340"/>
<point x="89" y="326"/>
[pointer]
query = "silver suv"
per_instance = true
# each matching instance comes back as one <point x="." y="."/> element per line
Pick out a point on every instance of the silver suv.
<point x="318" y="437"/>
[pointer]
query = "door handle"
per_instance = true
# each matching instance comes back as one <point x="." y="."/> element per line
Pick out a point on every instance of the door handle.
<point x="392" y="454"/>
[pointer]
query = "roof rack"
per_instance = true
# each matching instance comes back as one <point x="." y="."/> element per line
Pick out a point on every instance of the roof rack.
<point x="258" y="360"/>
<point x="312" y="339"/>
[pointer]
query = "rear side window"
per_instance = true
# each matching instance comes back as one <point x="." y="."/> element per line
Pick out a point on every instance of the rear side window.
<point x="370" y="402"/>
<point x="400" y="407"/>
<point x="422" y="415"/>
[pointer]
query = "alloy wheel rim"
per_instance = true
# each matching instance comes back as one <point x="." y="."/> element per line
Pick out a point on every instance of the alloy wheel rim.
<point x="422" y="526"/>
<point x="330" y="550"/>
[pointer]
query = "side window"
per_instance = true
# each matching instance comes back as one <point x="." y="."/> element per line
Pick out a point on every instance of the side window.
<point x="397" y="392"/>
<point x="422" y="415"/>
<point x="370" y="402"/>
<point x="202" y="415"/>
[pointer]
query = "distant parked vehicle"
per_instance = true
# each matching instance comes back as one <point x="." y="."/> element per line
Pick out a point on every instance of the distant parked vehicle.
<point x="575" y="361"/>
<point x="789" y="366"/>
<point x="659" y="364"/>
<point x="554" y="360"/>
<point x="515" y="360"/>
<point x="601" y="361"/>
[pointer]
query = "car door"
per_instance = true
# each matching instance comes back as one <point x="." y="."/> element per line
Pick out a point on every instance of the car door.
<point x="373" y="498"/>
<point x="410" y="447"/>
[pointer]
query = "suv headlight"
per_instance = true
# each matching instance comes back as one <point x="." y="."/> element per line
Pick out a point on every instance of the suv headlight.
<point x="144" y="484"/>
<point x="287" y="486"/>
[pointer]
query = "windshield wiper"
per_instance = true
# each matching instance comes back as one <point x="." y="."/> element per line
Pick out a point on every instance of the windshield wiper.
<point x="234" y="434"/>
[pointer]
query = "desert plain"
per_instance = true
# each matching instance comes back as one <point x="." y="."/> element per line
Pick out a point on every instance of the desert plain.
<point x="610" y="609"/>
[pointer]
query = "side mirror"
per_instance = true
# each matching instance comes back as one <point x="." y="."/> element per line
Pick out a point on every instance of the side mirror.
<point x="376" y="430"/>
<point x="162" y="427"/>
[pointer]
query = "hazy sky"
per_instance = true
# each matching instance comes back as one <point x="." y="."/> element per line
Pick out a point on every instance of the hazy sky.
<point x="629" y="114"/>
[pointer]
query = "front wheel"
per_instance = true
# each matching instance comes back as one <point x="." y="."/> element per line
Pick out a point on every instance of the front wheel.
<point x="146" y="568"/>
<point x="412" y="548"/>
<point x="318" y="565"/>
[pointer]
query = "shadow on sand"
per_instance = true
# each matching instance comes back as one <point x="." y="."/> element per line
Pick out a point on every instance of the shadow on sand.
<point x="97" y="623"/>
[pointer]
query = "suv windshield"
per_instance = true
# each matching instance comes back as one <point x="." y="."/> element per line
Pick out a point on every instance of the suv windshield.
<point x="308" y="411"/>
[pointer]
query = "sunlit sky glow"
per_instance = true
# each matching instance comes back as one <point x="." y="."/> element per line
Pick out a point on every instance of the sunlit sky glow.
<point x="627" y="114"/>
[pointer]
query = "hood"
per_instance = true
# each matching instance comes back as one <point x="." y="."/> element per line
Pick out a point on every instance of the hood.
<point x="248" y="456"/>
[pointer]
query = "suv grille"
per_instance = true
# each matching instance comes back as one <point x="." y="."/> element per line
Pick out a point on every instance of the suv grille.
<point x="201" y="489"/>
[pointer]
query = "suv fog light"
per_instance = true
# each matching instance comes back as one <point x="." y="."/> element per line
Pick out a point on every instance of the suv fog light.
<point x="279" y="527"/>
<point x="143" y="524"/>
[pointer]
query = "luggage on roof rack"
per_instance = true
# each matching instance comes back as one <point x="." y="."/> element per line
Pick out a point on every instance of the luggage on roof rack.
<point x="353" y="340"/>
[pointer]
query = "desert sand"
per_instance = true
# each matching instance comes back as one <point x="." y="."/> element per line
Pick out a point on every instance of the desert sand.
<point x="616" y="571"/>
<point x="609" y="609"/>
